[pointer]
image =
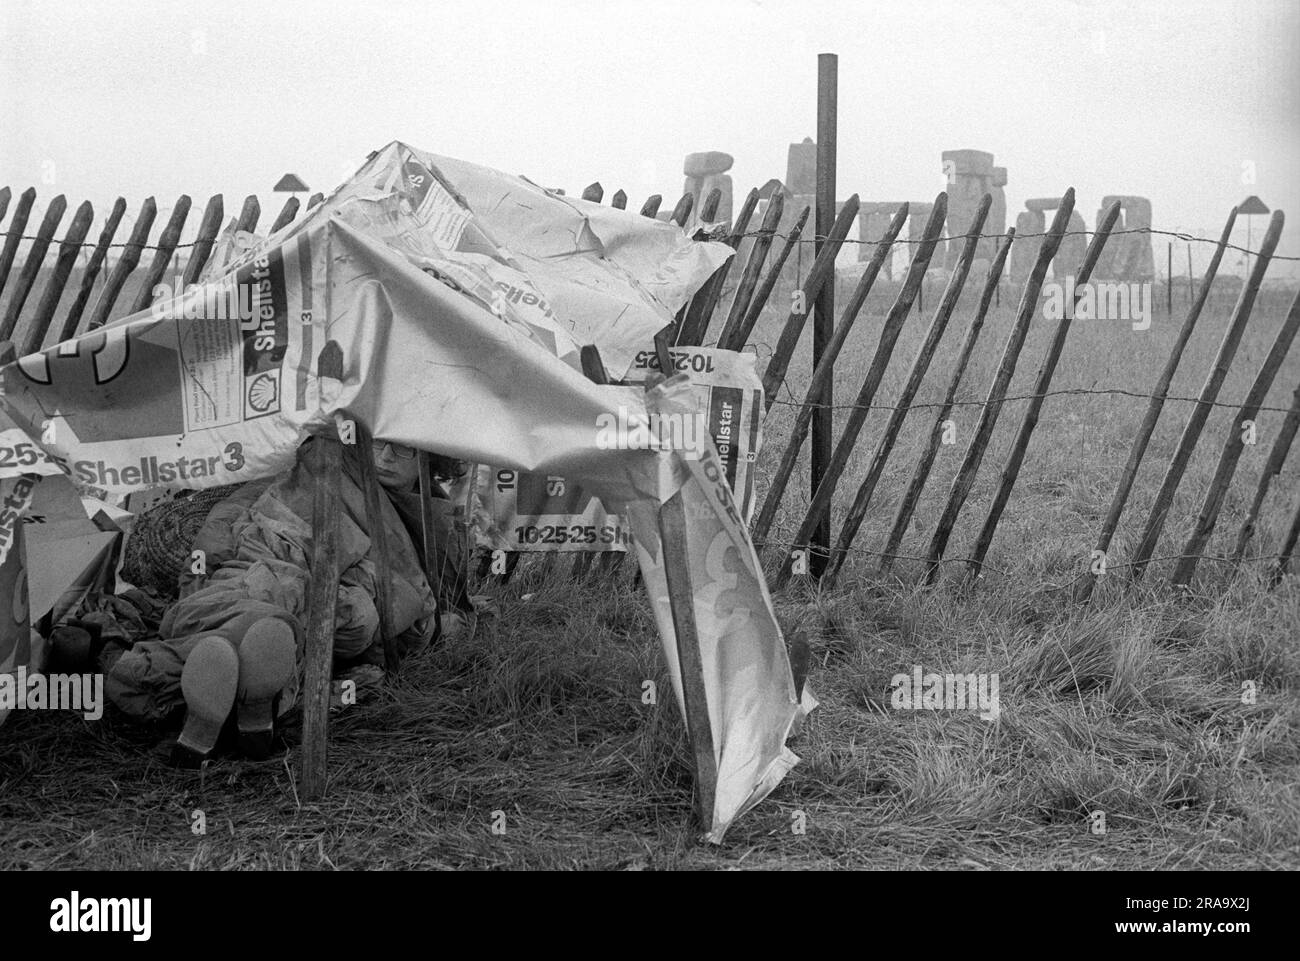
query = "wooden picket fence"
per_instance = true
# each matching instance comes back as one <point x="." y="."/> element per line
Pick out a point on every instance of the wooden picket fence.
<point x="705" y="321"/>
<point x="801" y="555"/>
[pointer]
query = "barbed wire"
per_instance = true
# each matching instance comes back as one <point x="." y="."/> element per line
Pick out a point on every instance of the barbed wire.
<point x="1016" y="397"/>
<point x="1150" y="231"/>
<point x="815" y="239"/>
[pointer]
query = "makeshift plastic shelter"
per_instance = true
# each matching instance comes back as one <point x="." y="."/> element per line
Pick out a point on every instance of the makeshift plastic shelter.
<point x="460" y="298"/>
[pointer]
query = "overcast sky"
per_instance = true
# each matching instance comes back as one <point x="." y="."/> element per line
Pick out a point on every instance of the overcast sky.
<point x="1177" y="100"/>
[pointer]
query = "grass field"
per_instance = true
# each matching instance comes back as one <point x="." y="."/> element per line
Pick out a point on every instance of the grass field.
<point x="1130" y="705"/>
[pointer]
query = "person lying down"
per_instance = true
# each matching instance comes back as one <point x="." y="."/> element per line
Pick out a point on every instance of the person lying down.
<point x="230" y="649"/>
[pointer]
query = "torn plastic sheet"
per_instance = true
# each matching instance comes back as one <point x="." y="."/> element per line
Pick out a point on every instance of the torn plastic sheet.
<point x="404" y="270"/>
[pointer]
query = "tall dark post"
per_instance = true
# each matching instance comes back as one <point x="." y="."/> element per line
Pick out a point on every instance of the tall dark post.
<point x="824" y="308"/>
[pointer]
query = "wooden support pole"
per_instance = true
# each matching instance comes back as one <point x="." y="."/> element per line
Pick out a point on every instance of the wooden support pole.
<point x="593" y="192"/>
<point x="88" y="276"/>
<point x="619" y="200"/>
<point x="315" y="199"/>
<point x="759" y="300"/>
<point x="1011" y="471"/>
<point x="5" y="194"/>
<point x="32" y="265"/>
<point x="325" y="468"/>
<point x="1273" y="467"/>
<point x="651" y="206"/>
<point x="374" y="495"/>
<point x="820" y="507"/>
<point x="823" y="425"/>
<point x="1209" y="394"/>
<point x="14" y="235"/>
<point x="1233" y="446"/>
<point x="209" y="227"/>
<point x="921" y="472"/>
<point x="753" y="270"/>
<point x="825" y="369"/>
<point x="1169" y="279"/>
<point x="167" y="242"/>
<point x="823" y="270"/>
<point x="699" y="312"/>
<point x="69" y="249"/>
<point x="125" y="264"/>
<point x="1154" y="406"/>
<point x="286" y="215"/>
<point x="681" y="596"/>
<point x="988" y="417"/>
<point x="920" y="364"/>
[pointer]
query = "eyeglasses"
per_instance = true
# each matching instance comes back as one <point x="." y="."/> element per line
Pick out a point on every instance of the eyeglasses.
<point x="400" y="451"/>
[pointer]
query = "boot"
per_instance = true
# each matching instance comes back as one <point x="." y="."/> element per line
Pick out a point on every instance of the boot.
<point x="208" y="681"/>
<point x="267" y="659"/>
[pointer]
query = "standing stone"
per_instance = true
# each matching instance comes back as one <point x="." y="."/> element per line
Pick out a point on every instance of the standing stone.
<point x="1069" y="256"/>
<point x="970" y="176"/>
<point x="801" y="168"/>
<point x="873" y="221"/>
<point x="1024" y="252"/>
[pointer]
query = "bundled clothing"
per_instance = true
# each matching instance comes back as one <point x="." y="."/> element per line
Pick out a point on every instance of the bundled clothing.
<point x="256" y="563"/>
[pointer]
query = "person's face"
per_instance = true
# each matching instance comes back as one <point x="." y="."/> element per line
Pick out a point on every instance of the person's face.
<point x="396" y="465"/>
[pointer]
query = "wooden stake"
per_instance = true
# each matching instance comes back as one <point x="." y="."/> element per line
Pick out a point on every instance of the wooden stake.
<point x="67" y="259"/>
<point x="593" y="192"/>
<point x="167" y="242"/>
<point x="988" y="416"/>
<point x="32" y="265"/>
<point x="1041" y="384"/>
<point x="753" y="269"/>
<point x="1209" y="394"/>
<point x="1154" y="406"/>
<point x="700" y="310"/>
<point x="315" y="199"/>
<point x="209" y="226"/>
<point x="825" y="370"/>
<point x="1233" y="445"/>
<point x="920" y="364"/>
<point x="921" y="472"/>
<point x="681" y="596"/>
<point x="651" y="206"/>
<point x="825" y="493"/>
<point x="1288" y="550"/>
<point x="70" y="322"/>
<point x="619" y="200"/>
<point x="823" y="269"/>
<point x="1276" y="458"/>
<point x="682" y="212"/>
<point x="759" y="300"/>
<point x="14" y="235"/>
<point x="125" y="264"/>
<point x="325" y="468"/>
<point x="287" y="213"/>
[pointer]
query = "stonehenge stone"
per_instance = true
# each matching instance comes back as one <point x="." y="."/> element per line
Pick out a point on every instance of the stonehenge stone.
<point x="1127" y="257"/>
<point x="971" y="175"/>
<point x="1025" y="250"/>
<point x="1069" y="256"/>
<point x="707" y="162"/>
<point x="801" y="168"/>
